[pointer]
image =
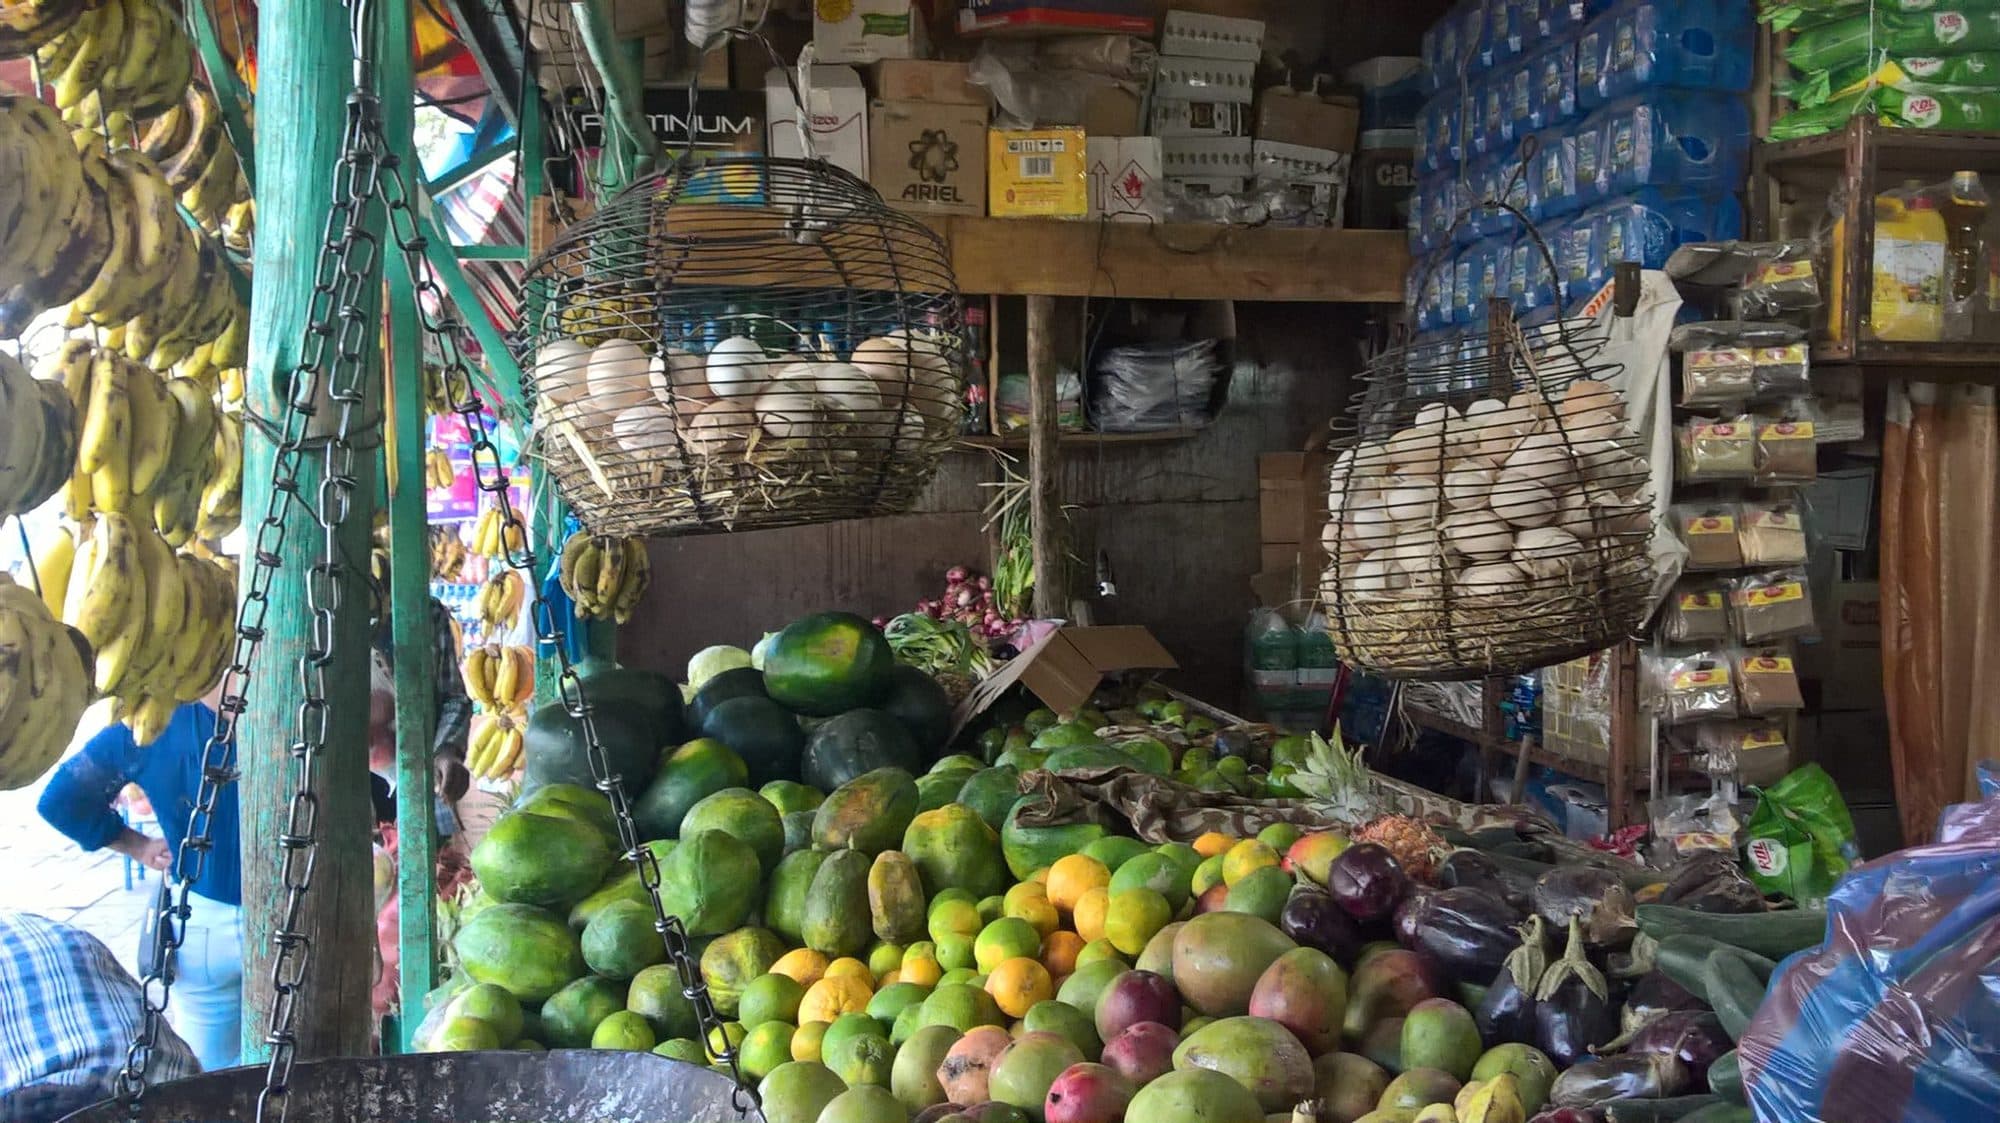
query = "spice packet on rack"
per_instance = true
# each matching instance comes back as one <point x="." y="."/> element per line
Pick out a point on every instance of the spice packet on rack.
<point x="1690" y="687"/>
<point x="1766" y="681"/>
<point x="1772" y="532"/>
<point x="1709" y="531"/>
<point x="1787" y="451"/>
<point x="1771" y="605"/>
<point x="1696" y="610"/>
<point x="1783" y="285"/>
<point x="1718" y="376"/>
<point x="1757" y="752"/>
<point x="1717" y="449"/>
<point x="1781" y="372"/>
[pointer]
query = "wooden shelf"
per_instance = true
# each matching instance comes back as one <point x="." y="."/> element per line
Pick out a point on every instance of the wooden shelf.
<point x="1075" y="440"/>
<point x="1050" y="257"/>
<point x="1593" y="771"/>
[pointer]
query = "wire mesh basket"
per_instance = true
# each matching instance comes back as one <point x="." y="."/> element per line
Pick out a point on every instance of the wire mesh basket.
<point x="1489" y="513"/>
<point x="738" y="343"/>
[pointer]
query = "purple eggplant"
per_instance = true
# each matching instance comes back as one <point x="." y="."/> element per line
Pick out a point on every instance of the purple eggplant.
<point x="1573" y="1009"/>
<point x="1596" y="895"/>
<point x="1655" y="995"/>
<point x="1473" y="869"/>
<point x="1506" y="1013"/>
<point x="1367" y="881"/>
<point x="1650" y="1076"/>
<point x="1693" y="1037"/>
<point x="1312" y="918"/>
<point x="1570" y="1115"/>
<point x="1712" y="882"/>
<point x="1469" y="932"/>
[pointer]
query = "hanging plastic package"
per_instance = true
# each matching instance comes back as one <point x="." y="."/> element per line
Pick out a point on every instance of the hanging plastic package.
<point x="1801" y="837"/>
<point x="1979" y="70"/>
<point x="1894" y="1018"/>
<point x="1155" y="386"/>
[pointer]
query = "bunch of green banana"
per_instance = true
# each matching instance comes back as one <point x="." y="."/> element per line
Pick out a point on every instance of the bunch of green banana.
<point x="605" y="576"/>
<point x="161" y="623"/>
<point x="131" y="56"/>
<point x="27" y="24"/>
<point x="37" y="439"/>
<point x="44" y="686"/>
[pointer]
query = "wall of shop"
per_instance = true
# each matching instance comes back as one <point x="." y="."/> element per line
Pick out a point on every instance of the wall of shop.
<point x="1179" y="521"/>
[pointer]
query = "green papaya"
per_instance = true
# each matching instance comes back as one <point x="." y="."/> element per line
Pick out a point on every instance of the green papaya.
<point x="895" y="898"/>
<point x="838" y="921"/>
<point x="791" y="888"/>
<point x="868" y="813"/>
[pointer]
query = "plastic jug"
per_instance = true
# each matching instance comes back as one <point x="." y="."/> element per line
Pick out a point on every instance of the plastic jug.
<point x="1906" y="279"/>
<point x="1665" y="44"/>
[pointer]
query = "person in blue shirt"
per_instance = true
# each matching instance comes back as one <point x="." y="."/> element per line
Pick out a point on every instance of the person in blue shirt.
<point x="207" y="1001"/>
<point x="68" y="1012"/>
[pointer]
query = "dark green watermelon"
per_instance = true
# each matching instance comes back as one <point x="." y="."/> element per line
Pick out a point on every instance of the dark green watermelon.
<point x="828" y="664"/>
<point x="646" y="691"/>
<point x="857" y="742"/>
<point x="762" y="732"/>
<point x="555" y="751"/>
<point x="737" y="682"/>
<point x="916" y="700"/>
<point x="991" y="794"/>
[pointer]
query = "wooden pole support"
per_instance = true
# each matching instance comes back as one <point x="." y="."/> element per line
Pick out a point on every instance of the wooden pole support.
<point x="1044" y="498"/>
<point x="303" y="50"/>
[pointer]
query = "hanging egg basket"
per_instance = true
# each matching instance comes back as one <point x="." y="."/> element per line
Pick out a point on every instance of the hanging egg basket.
<point x="739" y="343"/>
<point x="1490" y="511"/>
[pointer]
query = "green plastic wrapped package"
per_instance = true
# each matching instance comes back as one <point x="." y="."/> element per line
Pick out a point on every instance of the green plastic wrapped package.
<point x="1801" y="837"/>
<point x="1921" y="107"/>
<point x="1852" y="41"/>
<point x="1974" y="72"/>
<point x="1799" y="15"/>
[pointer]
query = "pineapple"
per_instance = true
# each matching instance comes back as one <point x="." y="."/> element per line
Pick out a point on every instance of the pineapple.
<point x="1338" y="784"/>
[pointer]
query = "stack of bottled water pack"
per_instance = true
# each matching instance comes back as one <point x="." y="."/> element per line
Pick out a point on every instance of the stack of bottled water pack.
<point x="1618" y="129"/>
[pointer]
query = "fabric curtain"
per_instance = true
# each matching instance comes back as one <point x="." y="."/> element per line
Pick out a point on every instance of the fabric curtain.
<point x="1940" y="538"/>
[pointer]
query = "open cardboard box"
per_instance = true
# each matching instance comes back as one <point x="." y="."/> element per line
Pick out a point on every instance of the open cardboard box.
<point x="1065" y="668"/>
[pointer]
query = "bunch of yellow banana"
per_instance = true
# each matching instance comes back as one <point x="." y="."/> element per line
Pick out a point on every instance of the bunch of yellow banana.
<point x="438" y="471"/>
<point x="448" y="553"/>
<point x="27" y="24"/>
<point x="132" y="56"/>
<point x="494" y="537"/>
<point x="495" y="747"/>
<point x="56" y="231"/>
<point x="44" y="685"/>
<point x="37" y="439"/>
<point x="437" y="398"/>
<point x="605" y="576"/>
<point x="189" y="143"/>
<point x="501" y="598"/>
<point x="594" y="317"/>
<point x="221" y="499"/>
<point x="161" y="624"/>
<point x="499" y="676"/>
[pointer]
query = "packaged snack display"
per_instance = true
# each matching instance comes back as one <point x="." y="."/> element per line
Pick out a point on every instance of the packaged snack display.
<point x="1787" y="451"/>
<point x="1695" y="611"/>
<point x="1751" y="750"/>
<point x="1691" y="687"/>
<point x="1718" y="376"/>
<point x="1781" y="372"/>
<point x="1709" y="530"/>
<point x="1772" y="532"/>
<point x="1771" y="605"/>
<point x="1766" y="682"/>
<point x="1717" y="449"/>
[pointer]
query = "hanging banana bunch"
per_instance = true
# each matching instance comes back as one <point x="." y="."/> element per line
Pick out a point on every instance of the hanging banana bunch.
<point x="38" y="429"/>
<point x="605" y="576"/>
<point x="437" y="397"/>
<point x="448" y="553"/>
<point x="438" y="472"/>
<point x="494" y="537"/>
<point x="499" y="676"/>
<point x="45" y="673"/>
<point x="495" y="748"/>
<point x="500" y="599"/>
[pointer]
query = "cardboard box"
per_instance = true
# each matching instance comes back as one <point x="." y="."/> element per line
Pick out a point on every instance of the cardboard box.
<point x="932" y="80"/>
<point x="1384" y="176"/>
<point x="1125" y="178"/>
<point x="1039" y="173"/>
<point x="723" y="123"/>
<point x="1177" y="119"/>
<point x="928" y="155"/>
<point x="1206" y="36"/>
<point x="1847" y="660"/>
<point x="1204" y="79"/>
<point x="1221" y="158"/>
<point x="839" y="113"/>
<point x="1291" y="497"/>
<point x="1289" y="117"/>
<point x="869" y="31"/>
<point x="1110" y="109"/>
<point x="1063" y="17"/>
<point x="1065" y="668"/>
<point x="1312" y="182"/>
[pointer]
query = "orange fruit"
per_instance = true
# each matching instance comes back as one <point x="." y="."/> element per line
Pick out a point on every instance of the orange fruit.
<point x="953" y="917"/>
<point x="1074" y="875"/>
<point x="884" y="958"/>
<point x="805" y="1043"/>
<point x="1090" y="913"/>
<point x="1017" y="984"/>
<point x="1213" y="843"/>
<point x="1133" y="918"/>
<point x="833" y="996"/>
<point x="1030" y="903"/>
<point x="1040" y="876"/>
<point x="1245" y="856"/>
<point x="1009" y="937"/>
<point x="1059" y="952"/>
<point x="920" y="964"/>
<point x="804" y="965"/>
<point x="852" y="968"/>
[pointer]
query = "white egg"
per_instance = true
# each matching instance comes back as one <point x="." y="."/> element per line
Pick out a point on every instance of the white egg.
<point x="1541" y="456"/>
<point x="1549" y="552"/>
<point x="560" y="366"/>
<point x="737" y="368"/>
<point x="1370" y="525"/>
<point x="723" y="426"/>
<point x="1491" y="579"/>
<point x="1372" y="576"/>
<point x="852" y="390"/>
<point x="1531" y="402"/>
<point x="1587" y="395"/>
<point x="1466" y="488"/>
<point x="1330" y="539"/>
<point x="902" y="358"/>
<point x="790" y="416"/>
<point x="1416" y="447"/>
<point x="1434" y="416"/>
<point x="1477" y="535"/>
<point x="1592" y="425"/>
<point x="1523" y="499"/>
<point x="1496" y="430"/>
<point x="1371" y="459"/>
<point x="622" y="374"/>
<point x="1609" y="464"/>
<point x="646" y="430"/>
<point x="1411" y="502"/>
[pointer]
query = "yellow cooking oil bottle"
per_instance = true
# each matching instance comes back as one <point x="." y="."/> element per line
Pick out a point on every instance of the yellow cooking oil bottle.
<point x="1907" y="277"/>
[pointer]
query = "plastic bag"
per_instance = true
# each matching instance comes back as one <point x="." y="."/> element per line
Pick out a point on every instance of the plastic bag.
<point x="1155" y="386"/>
<point x="1894" y="1018"/>
<point x="1800" y="839"/>
<point x="1849" y="41"/>
<point x="1974" y="70"/>
<point x="1913" y="107"/>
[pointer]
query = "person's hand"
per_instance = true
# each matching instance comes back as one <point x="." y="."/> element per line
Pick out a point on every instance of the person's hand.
<point x="451" y="777"/>
<point x="153" y="853"/>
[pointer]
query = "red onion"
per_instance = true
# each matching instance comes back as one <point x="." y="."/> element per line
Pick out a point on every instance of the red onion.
<point x="984" y="582"/>
<point x="957" y="574"/>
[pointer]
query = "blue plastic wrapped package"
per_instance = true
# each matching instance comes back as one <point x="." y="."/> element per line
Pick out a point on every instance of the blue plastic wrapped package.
<point x="1552" y="85"/>
<point x="1569" y="242"/>
<point x="1695" y="141"/>
<point x="1491" y="129"/>
<point x="1496" y="178"/>
<point x="1434" y="279"/>
<point x="1590" y="179"/>
<point x="1650" y="223"/>
<point x="1434" y="206"/>
<point x="1665" y="44"/>
<point x="1442" y="53"/>
<point x="1506" y="30"/>
<point x="1519" y="79"/>
<point x="1895" y="1017"/>
<point x="1559" y="17"/>
<point x="1552" y="176"/>
<point x="1438" y="147"/>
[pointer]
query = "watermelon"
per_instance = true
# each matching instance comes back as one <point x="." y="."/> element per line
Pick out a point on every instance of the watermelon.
<point x="916" y="700"/>
<point x="762" y="732"/>
<point x="857" y="742"/>
<point x="828" y="664"/>
<point x="737" y="682"/>
<point x="689" y="775"/>
<point x="647" y="692"/>
<point x="555" y="748"/>
<point x="991" y="793"/>
<point x="527" y="951"/>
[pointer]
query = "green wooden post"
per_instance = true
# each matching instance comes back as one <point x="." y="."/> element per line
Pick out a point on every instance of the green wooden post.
<point x="409" y="562"/>
<point x="304" y="53"/>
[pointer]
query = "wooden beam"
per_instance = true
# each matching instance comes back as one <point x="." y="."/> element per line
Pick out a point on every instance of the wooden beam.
<point x="474" y="164"/>
<point x="1044" y="472"/>
<point x="486" y="27"/>
<point x="1047" y="257"/>
<point x="305" y="57"/>
<point x="490" y="253"/>
<point x="409" y="565"/>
